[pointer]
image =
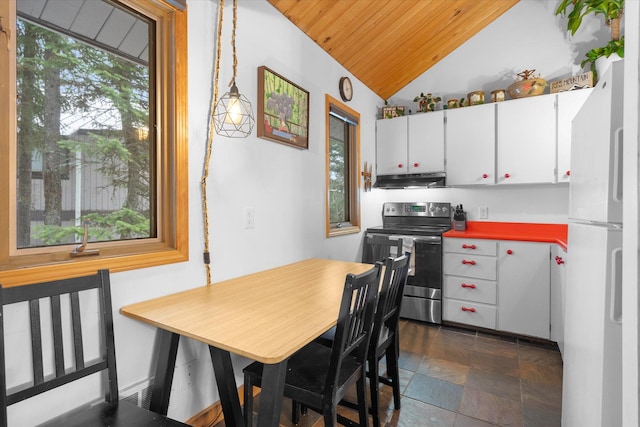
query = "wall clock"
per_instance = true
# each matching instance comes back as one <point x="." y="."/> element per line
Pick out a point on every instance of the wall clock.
<point x="346" y="89"/>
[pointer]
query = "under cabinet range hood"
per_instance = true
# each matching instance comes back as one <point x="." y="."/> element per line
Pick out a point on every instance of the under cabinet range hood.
<point x="416" y="180"/>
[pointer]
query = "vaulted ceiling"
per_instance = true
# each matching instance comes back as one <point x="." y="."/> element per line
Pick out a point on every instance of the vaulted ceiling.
<point x="388" y="43"/>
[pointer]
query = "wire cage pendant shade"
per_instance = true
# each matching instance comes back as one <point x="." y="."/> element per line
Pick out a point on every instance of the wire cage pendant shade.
<point x="233" y="116"/>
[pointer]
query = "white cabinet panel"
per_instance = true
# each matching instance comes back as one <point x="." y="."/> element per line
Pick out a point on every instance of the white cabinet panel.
<point x="471" y="145"/>
<point x="526" y="140"/>
<point x="558" y="285"/>
<point x="569" y="103"/>
<point x="482" y="267"/>
<point x="426" y="142"/>
<point x="523" y="288"/>
<point x="469" y="313"/>
<point x="470" y="246"/>
<point x="391" y="146"/>
<point x="470" y="289"/>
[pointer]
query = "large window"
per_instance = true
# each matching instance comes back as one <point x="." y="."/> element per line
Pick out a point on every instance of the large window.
<point x="96" y="143"/>
<point x="343" y="173"/>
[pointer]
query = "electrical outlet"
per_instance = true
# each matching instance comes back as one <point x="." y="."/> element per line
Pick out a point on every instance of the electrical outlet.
<point x="187" y="375"/>
<point x="483" y="212"/>
<point x="249" y="217"/>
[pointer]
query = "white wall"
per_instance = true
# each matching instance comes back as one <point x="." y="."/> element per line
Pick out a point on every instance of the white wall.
<point x="286" y="186"/>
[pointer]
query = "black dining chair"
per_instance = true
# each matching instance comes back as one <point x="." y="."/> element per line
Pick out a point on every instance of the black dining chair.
<point x="80" y="309"/>
<point x="378" y="248"/>
<point x="318" y="376"/>
<point x="385" y="340"/>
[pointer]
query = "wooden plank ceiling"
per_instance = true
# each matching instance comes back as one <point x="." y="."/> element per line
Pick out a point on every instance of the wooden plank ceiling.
<point x="388" y="43"/>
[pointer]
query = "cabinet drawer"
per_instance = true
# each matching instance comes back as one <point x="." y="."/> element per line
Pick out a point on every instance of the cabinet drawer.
<point x="476" y="314"/>
<point x="464" y="288"/>
<point x="470" y="246"/>
<point x="481" y="267"/>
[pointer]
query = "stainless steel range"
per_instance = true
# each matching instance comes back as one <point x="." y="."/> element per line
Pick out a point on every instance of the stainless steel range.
<point x="420" y="226"/>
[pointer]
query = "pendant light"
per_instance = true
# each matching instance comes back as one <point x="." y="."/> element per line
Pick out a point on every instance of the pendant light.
<point x="233" y="116"/>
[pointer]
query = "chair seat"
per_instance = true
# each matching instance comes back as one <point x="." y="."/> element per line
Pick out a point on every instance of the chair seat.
<point x="104" y="414"/>
<point x="307" y="370"/>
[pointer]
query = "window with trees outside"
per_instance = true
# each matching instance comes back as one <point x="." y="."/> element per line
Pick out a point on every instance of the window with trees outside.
<point x="343" y="173"/>
<point x="96" y="138"/>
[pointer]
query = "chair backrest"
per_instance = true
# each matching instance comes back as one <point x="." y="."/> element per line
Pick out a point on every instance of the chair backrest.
<point x="63" y="299"/>
<point x="355" y="320"/>
<point x="387" y="316"/>
<point x="378" y="248"/>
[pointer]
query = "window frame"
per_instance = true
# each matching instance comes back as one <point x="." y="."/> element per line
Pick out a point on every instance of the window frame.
<point x="354" y="171"/>
<point x="32" y="265"/>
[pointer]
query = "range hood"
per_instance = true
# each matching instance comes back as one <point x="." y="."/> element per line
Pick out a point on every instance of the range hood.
<point x="417" y="180"/>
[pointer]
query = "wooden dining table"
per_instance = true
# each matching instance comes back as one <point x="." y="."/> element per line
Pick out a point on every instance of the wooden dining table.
<point x="265" y="316"/>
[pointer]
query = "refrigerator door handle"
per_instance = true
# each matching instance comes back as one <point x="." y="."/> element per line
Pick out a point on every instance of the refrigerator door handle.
<point x="615" y="306"/>
<point x="617" y="165"/>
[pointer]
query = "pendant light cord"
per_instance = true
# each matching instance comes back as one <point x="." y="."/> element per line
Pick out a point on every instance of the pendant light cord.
<point x="233" y="42"/>
<point x="207" y="159"/>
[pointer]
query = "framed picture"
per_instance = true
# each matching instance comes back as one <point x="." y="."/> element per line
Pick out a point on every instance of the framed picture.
<point x="390" y="112"/>
<point x="283" y="110"/>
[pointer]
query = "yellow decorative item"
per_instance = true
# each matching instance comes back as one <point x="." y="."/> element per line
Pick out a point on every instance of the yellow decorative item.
<point x="528" y="85"/>
<point x="476" y="97"/>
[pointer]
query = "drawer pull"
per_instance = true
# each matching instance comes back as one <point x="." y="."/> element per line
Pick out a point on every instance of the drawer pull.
<point x="471" y="309"/>
<point x="472" y="262"/>
<point x="485" y="176"/>
<point x="470" y="286"/>
<point x="400" y="165"/>
<point x="559" y="260"/>
<point x="465" y="246"/>
<point x="415" y="165"/>
<point x="509" y="252"/>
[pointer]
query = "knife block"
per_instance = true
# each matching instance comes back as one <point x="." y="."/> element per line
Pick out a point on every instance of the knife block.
<point x="460" y="222"/>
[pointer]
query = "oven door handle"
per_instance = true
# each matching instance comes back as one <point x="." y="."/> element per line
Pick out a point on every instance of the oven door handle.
<point x="432" y="240"/>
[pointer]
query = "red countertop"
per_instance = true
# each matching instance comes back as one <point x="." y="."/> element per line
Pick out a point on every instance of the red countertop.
<point x="524" y="231"/>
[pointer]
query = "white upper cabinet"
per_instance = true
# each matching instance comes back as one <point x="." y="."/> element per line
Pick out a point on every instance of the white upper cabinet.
<point x="426" y="143"/>
<point x="526" y="140"/>
<point x="391" y="146"/>
<point x="410" y="144"/>
<point x="471" y="145"/>
<point x="569" y="103"/>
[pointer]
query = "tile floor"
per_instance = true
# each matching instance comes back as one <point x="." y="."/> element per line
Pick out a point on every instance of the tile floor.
<point x="460" y="378"/>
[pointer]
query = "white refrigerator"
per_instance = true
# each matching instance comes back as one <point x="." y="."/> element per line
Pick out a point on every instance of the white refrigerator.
<point x="592" y="370"/>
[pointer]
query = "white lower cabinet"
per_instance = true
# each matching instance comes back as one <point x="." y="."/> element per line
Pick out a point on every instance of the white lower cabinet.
<point x="469" y="289"/>
<point x="523" y="288"/>
<point x="558" y="284"/>
<point x="501" y="285"/>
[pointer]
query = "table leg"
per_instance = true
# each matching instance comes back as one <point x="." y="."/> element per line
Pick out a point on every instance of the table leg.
<point x="273" y="377"/>
<point x="164" y="371"/>
<point x="223" y="370"/>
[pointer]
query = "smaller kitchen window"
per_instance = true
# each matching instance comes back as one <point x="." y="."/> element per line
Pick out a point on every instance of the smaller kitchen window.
<point x="343" y="159"/>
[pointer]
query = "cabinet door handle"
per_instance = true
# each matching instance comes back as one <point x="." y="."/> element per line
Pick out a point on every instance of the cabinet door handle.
<point x="509" y="252"/>
<point x="559" y="260"/>
<point x="568" y="173"/>
<point x="470" y="286"/>
<point x="507" y="176"/>
<point x="471" y="309"/>
<point x="400" y="165"/>
<point x="485" y="176"/>
<point x="472" y="262"/>
<point x="465" y="246"/>
<point x="415" y="165"/>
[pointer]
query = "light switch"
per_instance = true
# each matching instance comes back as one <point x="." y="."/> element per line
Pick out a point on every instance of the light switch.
<point x="483" y="212"/>
<point x="249" y="217"/>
